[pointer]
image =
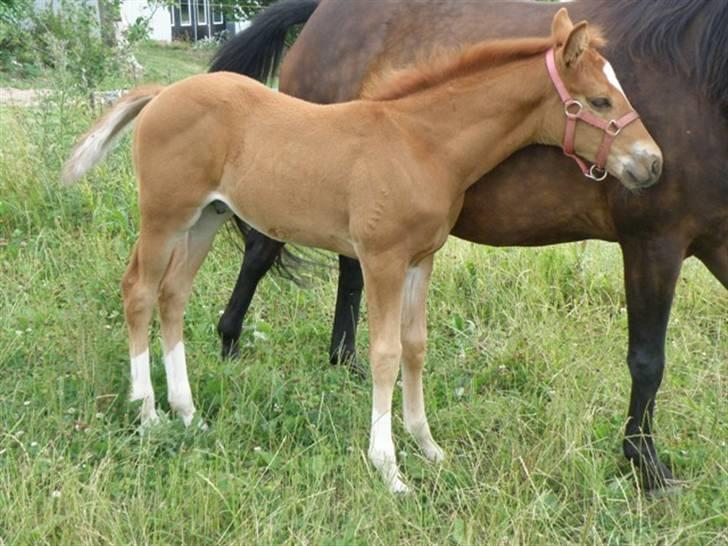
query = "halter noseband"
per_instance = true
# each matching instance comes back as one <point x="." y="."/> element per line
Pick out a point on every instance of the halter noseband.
<point x="574" y="110"/>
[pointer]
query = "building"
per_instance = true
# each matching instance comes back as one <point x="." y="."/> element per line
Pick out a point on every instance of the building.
<point x="189" y="20"/>
<point x="193" y="20"/>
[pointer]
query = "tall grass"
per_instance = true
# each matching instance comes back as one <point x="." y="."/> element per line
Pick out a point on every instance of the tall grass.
<point x="526" y="389"/>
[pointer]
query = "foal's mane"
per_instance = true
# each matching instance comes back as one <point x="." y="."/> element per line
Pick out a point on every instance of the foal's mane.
<point x="661" y="30"/>
<point x="442" y="66"/>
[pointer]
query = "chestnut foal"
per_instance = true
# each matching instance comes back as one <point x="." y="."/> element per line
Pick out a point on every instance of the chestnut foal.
<point x="380" y="179"/>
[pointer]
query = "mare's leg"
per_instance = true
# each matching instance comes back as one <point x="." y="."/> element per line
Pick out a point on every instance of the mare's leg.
<point x="384" y="279"/>
<point x="716" y="260"/>
<point x="651" y="270"/>
<point x="140" y="285"/>
<point x="414" y="342"/>
<point x="260" y="255"/>
<point x="188" y="255"/>
<point x="348" y="299"/>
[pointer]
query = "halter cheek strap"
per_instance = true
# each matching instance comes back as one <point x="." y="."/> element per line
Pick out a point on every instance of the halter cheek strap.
<point x="574" y="111"/>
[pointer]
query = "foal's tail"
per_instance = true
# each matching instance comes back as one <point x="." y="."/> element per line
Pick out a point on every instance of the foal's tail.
<point x="94" y="145"/>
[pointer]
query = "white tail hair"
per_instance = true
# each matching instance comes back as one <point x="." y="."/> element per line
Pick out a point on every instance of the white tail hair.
<point x="94" y="145"/>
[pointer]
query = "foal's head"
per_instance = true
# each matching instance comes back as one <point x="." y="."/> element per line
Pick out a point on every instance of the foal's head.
<point x="592" y="102"/>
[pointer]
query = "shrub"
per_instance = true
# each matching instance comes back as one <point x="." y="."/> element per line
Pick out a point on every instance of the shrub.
<point x="69" y="35"/>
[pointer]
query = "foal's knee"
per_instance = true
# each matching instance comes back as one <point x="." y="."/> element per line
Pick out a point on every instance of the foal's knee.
<point x="385" y="362"/>
<point x="413" y="351"/>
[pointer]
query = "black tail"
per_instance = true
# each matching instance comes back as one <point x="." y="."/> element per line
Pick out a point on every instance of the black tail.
<point x="257" y="50"/>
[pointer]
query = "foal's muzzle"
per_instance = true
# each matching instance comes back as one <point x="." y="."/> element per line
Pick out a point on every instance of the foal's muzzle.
<point x="642" y="169"/>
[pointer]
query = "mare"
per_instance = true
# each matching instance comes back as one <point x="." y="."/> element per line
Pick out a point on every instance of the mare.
<point x="334" y="176"/>
<point x="672" y="57"/>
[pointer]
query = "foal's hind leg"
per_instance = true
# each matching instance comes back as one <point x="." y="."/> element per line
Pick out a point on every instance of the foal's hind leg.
<point x="188" y="255"/>
<point x="414" y="342"/>
<point x="139" y="286"/>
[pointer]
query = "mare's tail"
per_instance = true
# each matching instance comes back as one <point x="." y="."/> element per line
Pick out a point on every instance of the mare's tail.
<point x="94" y="145"/>
<point x="257" y="51"/>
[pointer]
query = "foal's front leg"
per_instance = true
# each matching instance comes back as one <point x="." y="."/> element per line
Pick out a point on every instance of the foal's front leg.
<point x="384" y="279"/>
<point x="414" y="344"/>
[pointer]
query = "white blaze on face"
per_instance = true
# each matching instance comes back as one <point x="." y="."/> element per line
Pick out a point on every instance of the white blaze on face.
<point x="612" y="77"/>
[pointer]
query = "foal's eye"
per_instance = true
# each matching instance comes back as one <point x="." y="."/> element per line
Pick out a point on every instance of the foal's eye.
<point x="600" y="103"/>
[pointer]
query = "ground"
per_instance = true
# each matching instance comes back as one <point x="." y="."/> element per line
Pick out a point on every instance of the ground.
<point x="526" y="387"/>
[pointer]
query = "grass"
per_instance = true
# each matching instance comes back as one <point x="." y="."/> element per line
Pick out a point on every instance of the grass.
<point x="526" y="389"/>
<point x="163" y="63"/>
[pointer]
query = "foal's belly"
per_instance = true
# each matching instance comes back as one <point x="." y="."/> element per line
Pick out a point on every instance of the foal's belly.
<point x="301" y="217"/>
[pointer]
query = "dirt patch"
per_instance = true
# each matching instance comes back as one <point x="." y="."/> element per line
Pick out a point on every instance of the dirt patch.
<point x="9" y="96"/>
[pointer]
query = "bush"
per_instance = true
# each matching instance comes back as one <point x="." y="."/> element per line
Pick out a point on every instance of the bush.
<point x="16" y="53"/>
<point x="69" y="36"/>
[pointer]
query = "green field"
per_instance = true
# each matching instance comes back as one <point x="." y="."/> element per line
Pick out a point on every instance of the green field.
<point x="526" y="386"/>
<point x="163" y="63"/>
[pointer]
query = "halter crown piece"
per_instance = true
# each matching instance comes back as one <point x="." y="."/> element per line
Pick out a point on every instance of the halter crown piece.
<point x="574" y="110"/>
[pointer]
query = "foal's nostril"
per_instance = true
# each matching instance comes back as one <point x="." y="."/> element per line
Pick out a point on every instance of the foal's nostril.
<point x="656" y="167"/>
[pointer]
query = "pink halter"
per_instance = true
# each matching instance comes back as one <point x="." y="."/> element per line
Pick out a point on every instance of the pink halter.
<point x="574" y="111"/>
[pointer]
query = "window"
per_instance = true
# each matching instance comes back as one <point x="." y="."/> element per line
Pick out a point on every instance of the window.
<point x="171" y="15"/>
<point x="217" y="14"/>
<point x="201" y="12"/>
<point x="185" y="15"/>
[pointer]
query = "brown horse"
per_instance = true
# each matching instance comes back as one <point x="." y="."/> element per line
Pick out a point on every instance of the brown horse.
<point x="671" y="56"/>
<point x="422" y="137"/>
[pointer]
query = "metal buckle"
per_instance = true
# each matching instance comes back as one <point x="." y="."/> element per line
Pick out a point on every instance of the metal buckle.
<point x="568" y="104"/>
<point x="613" y="129"/>
<point x="598" y="177"/>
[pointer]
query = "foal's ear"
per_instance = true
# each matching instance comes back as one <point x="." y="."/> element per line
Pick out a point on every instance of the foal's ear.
<point x="561" y="27"/>
<point x="576" y="44"/>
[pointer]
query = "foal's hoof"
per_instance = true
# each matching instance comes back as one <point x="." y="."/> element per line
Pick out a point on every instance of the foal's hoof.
<point x="433" y="453"/>
<point x="398" y="487"/>
<point x="193" y="422"/>
<point x="149" y="420"/>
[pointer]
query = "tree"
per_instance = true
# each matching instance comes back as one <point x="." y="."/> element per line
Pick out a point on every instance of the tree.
<point x="246" y="9"/>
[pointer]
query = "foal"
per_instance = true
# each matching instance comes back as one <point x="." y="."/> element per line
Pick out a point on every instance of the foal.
<point x="381" y="179"/>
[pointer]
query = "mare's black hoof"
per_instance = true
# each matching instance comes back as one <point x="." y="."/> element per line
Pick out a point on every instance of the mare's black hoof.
<point x="230" y="349"/>
<point x="657" y="480"/>
<point x="343" y="358"/>
<point x="670" y="488"/>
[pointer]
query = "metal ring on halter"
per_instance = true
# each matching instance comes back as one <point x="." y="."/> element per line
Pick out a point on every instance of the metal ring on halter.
<point x="573" y="102"/>
<point x="613" y="129"/>
<point x="598" y="177"/>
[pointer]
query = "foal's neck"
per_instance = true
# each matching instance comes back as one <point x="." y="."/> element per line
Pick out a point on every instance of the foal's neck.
<point x="478" y="121"/>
